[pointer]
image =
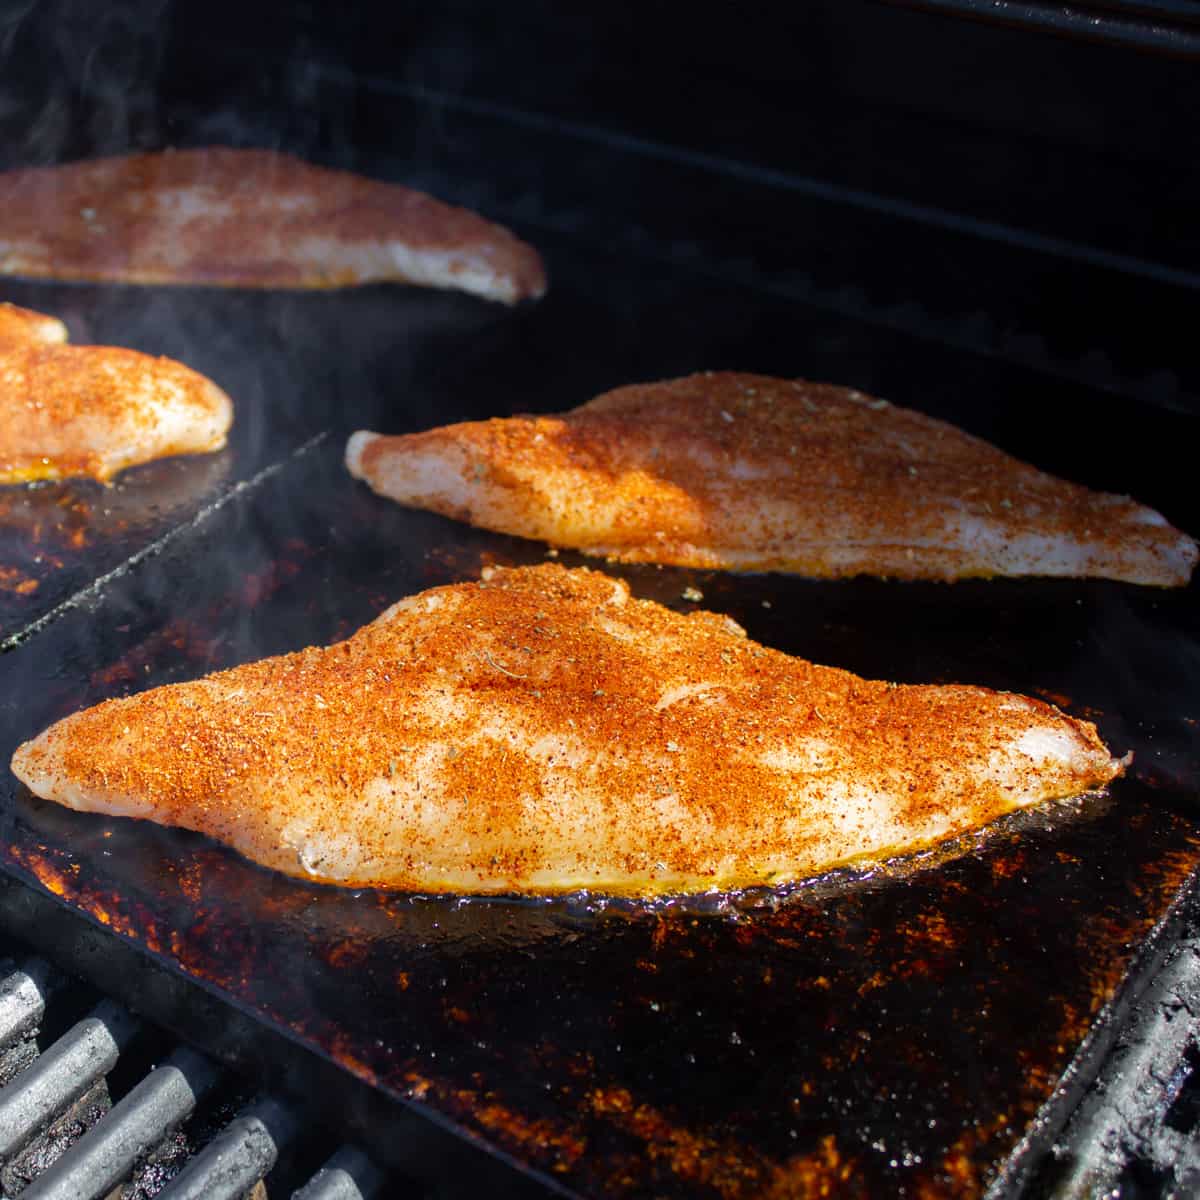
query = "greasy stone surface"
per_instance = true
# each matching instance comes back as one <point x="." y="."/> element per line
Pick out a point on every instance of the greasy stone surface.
<point x="871" y="1036"/>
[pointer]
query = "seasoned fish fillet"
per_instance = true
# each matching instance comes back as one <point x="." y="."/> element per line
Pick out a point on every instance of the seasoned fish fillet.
<point x="24" y="327"/>
<point x="542" y="731"/>
<point x="751" y="473"/>
<point x="249" y="218"/>
<point x="95" y="410"/>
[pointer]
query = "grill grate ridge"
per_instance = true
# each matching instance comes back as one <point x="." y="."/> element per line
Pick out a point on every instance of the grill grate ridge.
<point x="63" y="1136"/>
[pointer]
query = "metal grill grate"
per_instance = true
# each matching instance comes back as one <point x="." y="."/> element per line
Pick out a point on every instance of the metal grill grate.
<point x="104" y="1105"/>
<point x="1134" y="1134"/>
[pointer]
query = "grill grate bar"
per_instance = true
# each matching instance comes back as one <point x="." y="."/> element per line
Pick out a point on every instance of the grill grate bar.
<point x="1129" y="1129"/>
<point x="132" y="1143"/>
<point x="23" y="995"/>
<point x="107" y="1153"/>
<point x="60" y="1076"/>
<point x="348" y="1175"/>
<point x="237" y="1158"/>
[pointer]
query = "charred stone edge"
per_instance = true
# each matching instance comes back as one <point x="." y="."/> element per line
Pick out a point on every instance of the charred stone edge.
<point x="1062" y="1126"/>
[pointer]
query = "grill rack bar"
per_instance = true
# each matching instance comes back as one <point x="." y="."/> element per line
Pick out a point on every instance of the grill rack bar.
<point x="23" y="995"/>
<point x="348" y="1175"/>
<point x="61" y="1075"/>
<point x="238" y="1157"/>
<point x="42" y="1090"/>
<point x="106" y="1154"/>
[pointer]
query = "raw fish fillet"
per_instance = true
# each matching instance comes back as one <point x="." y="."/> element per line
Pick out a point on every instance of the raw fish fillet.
<point x="248" y="218"/>
<point x="757" y="474"/>
<point x="542" y="731"/>
<point x="94" y="410"/>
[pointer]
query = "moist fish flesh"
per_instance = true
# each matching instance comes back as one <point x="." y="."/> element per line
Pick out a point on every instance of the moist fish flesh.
<point x="542" y="731"/>
<point x="750" y="473"/>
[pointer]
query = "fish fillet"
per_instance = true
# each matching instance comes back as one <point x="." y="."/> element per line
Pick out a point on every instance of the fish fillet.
<point x="248" y="218"/>
<point x="751" y="473"/>
<point x="24" y="327"/>
<point x="542" y="731"/>
<point x="94" y="410"/>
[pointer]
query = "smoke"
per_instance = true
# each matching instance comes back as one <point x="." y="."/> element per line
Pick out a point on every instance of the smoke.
<point x="81" y="78"/>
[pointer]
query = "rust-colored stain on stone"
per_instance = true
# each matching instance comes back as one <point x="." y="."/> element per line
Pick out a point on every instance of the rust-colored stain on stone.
<point x="12" y="579"/>
<point x="721" y="1167"/>
<point x="541" y="1138"/>
<point x="860" y="1037"/>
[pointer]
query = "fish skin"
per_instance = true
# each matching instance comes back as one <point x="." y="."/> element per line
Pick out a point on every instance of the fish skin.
<point x="746" y="472"/>
<point x="541" y="731"/>
<point x="249" y="218"/>
<point x="71" y="411"/>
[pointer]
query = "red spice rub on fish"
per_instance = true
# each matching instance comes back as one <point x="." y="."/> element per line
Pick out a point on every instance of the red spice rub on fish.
<point x="748" y="472"/>
<point x="249" y="218"/>
<point x="95" y="410"/>
<point x="543" y="731"/>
